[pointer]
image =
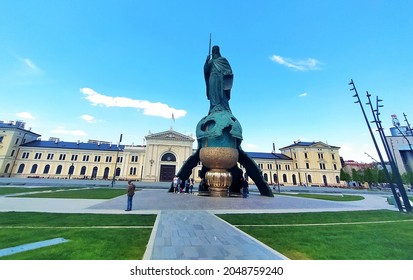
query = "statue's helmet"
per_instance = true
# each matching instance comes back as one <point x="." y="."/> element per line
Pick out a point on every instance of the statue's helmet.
<point x="215" y="50"/>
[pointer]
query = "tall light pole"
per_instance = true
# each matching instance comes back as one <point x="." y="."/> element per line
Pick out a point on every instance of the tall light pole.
<point x="276" y="167"/>
<point x="116" y="160"/>
<point x="395" y="170"/>
<point x="399" y="205"/>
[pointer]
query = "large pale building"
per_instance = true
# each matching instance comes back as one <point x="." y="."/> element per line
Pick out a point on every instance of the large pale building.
<point x="23" y="154"/>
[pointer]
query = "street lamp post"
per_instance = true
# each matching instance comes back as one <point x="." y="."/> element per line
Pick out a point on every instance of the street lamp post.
<point x="276" y="167"/>
<point x="116" y="160"/>
<point x="399" y="205"/>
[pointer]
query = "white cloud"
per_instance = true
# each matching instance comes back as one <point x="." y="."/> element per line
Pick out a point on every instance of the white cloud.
<point x="300" y="65"/>
<point x="88" y="118"/>
<point x="30" y="64"/>
<point x="149" y="108"/>
<point x="69" y="132"/>
<point x="303" y="94"/>
<point x="25" y="115"/>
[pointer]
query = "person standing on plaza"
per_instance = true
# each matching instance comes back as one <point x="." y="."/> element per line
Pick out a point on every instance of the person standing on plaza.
<point x="191" y="185"/>
<point x="130" y="194"/>
<point x="187" y="185"/>
<point x="244" y="184"/>
<point x="175" y="184"/>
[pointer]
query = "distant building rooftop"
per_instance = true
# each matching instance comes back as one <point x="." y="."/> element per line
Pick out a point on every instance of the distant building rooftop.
<point x="74" y="145"/>
<point x="268" y="155"/>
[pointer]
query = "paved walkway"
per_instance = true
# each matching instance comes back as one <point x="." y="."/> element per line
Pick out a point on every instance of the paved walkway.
<point x="186" y="227"/>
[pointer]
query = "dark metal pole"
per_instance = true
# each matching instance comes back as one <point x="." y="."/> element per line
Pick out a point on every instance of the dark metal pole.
<point x="116" y="160"/>
<point x="397" y="201"/>
<point x="408" y="124"/>
<point x="395" y="170"/>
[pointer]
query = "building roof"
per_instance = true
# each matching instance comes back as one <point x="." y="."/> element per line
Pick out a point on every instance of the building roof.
<point x="309" y="144"/>
<point x="73" y="145"/>
<point x="271" y="156"/>
<point x="20" y="126"/>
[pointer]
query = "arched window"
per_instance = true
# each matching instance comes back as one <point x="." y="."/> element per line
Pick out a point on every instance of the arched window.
<point x="34" y="169"/>
<point x="309" y="178"/>
<point x="325" y="180"/>
<point x="294" y="180"/>
<point x="275" y="177"/>
<point x="118" y="171"/>
<point x="21" y="168"/>
<point x="285" y="178"/>
<point x="94" y="172"/>
<point x="7" y="168"/>
<point x="83" y="170"/>
<point x="46" y="169"/>
<point x="168" y="157"/>
<point x="338" y="179"/>
<point x="59" y="169"/>
<point x="266" y="177"/>
<point x="106" y="173"/>
<point x="71" y="170"/>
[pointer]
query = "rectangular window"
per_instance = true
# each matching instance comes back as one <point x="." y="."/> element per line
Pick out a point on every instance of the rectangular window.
<point x="320" y="155"/>
<point x="305" y="155"/>
<point x="120" y="159"/>
<point x="322" y="166"/>
<point x="74" y="158"/>
<point x="333" y="157"/>
<point x="62" y="157"/>
<point x="307" y="165"/>
<point x="97" y="158"/>
<point x="335" y="166"/>
<point x="1" y="138"/>
<point x="269" y="166"/>
<point x="108" y="158"/>
<point x="38" y="156"/>
<point x="50" y="156"/>
<point x="85" y="157"/>
<point x="134" y="159"/>
<point x="287" y="167"/>
<point x="12" y="154"/>
<point x="260" y="165"/>
<point x="25" y="155"/>
<point x="17" y="141"/>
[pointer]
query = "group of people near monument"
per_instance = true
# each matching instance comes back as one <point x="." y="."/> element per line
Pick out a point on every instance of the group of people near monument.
<point x="187" y="187"/>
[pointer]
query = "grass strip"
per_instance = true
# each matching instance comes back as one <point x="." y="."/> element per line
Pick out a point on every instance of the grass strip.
<point x="92" y="236"/>
<point x="330" y="197"/>
<point x="94" y="193"/>
<point x="360" y="236"/>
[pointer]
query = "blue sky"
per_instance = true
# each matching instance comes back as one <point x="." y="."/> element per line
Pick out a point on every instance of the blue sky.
<point x="82" y="70"/>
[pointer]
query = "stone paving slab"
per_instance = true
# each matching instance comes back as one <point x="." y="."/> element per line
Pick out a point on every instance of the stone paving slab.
<point x="200" y="235"/>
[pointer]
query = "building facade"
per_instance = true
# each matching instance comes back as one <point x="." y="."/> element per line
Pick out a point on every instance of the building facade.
<point x="24" y="155"/>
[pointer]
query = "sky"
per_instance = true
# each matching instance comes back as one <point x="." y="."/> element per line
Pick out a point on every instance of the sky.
<point x="81" y="70"/>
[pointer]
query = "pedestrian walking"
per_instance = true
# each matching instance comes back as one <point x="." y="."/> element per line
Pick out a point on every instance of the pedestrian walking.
<point x="130" y="194"/>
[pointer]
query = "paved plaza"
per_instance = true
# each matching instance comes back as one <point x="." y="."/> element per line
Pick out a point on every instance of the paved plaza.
<point x="187" y="227"/>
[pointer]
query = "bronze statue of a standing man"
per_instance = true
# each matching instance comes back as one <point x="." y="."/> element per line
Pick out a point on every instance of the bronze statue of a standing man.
<point x="218" y="78"/>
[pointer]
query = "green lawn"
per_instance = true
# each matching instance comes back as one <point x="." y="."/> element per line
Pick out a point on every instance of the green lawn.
<point x="306" y="235"/>
<point x="13" y="190"/>
<point x="331" y="197"/>
<point x="84" y="193"/>
<point x="91" y="236"/>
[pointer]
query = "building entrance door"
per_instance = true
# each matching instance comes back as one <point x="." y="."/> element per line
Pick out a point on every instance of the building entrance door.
<point x="167" y="173"/>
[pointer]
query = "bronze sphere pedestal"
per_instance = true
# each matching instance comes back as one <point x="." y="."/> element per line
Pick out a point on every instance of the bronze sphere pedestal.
<point x="219" y="160"/>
